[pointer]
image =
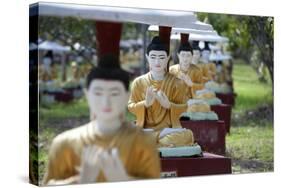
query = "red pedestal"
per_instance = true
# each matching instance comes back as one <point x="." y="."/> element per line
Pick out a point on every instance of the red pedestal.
<point x="210" y="135"/>
<point x="227" y="98"/>
<point x="224" y="113"/>
<point x="209" y="164"/>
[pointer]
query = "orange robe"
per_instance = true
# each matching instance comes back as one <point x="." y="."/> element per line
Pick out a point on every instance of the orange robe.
<point x="156" y="116"/>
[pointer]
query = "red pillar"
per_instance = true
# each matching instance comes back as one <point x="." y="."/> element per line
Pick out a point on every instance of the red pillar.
<point x="184" y="38"/>
<point x="108" y="35"/>
<point x="164" y="34"/>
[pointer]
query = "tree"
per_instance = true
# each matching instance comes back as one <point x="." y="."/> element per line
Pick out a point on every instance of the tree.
<point x="248" y="35"/>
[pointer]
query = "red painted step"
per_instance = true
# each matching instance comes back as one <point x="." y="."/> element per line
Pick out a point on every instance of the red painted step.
<point x="209" y="164"/>
<point x="224" y="113"/>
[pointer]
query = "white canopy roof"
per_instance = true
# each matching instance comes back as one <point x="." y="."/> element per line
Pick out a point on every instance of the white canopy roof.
<point x="219" y="57"/>
<point x="193" y="27"/>
<point x="170" y="18"/>
<point x="207" y="38"/>
<point x="48" y="45"/>
<point x="177" y="36"/>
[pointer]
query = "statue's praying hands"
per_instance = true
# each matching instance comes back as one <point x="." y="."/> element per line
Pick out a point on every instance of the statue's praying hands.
<point x="90" y="166"/>
<point x="95" y="159"/>
<point x="163" y="99"/>
<point x="186" y="79"/>
<point x="149" y="97"/>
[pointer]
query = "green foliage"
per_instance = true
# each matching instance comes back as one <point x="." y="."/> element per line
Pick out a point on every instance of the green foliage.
<point x="250" y="92"/>
<point x="247" y="35"/>
<point x="67" y="30"/>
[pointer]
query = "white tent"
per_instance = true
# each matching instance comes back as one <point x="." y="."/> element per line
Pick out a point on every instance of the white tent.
<point x="49" y="45"/>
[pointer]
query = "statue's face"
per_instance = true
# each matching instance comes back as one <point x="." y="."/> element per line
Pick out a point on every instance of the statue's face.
<point x="157" y="60"/>
<point x="196" y="56"/>
<point x="185" y="58"/>
<point x="107" y="99"/>
<point x="205" y="55"/>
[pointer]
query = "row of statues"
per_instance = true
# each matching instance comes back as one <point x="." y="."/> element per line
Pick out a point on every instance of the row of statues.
<point x="109" y="148"/>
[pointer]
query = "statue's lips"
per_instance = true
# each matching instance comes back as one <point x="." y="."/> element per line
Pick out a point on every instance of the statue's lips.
<point x="106" y="110"/>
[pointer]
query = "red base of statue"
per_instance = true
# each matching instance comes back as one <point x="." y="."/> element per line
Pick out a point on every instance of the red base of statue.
<point x="224" y="113"/>
<point x="209" y="164"/>
<point x="227" y="98"/>
<point x="210" y="135"/>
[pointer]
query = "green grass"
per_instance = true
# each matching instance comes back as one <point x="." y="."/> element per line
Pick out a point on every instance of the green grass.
<point x="251" y="92"/>
<point x="251" y="140"/>
<point x="59" y="111"/>
<point x="251" y="143"/>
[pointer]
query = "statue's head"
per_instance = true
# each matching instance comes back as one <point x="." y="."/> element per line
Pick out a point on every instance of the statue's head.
<point x="157" y="55"/>
<point x="185" y="56"/>
<point x="206" y="53"/>
<point x="196" y="52"/>
<point x="107" y="88"/>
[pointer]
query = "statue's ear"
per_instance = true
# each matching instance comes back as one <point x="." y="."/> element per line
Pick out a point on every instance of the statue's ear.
<point x="168" y="58"/>
<point x="147" y="57"/>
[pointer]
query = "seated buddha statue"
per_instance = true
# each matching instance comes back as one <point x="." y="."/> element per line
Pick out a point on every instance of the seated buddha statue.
<point x="158" y="98"/>
<point x="185" y="70"/>
<point x="108" y="148"/>
<point x="205" y="59"/>
<point x="196" y="60"/>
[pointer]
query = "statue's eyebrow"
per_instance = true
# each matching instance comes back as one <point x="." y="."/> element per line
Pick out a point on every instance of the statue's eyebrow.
<point x="98" y="88"/>
<point x="115" y="89"/>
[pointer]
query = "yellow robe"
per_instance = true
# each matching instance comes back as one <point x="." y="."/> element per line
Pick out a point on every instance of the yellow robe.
<point x="204" y="71"/>
<point x="193" y="72"/>
<point x="137" y="151"/>
<point x="155" y="116"/>
<point x="212" y="69"/>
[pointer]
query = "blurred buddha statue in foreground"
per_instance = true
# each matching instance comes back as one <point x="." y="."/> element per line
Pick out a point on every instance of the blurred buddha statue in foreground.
<point x="158" y="99"/>
<point x="107" y="148"/>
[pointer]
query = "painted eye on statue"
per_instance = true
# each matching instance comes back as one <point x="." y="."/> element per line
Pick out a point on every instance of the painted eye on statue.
<point x="97" y="93"/>
<point x="162" y="57"/>
<point x="153" y="57"/>
<point x="115" y="92"/>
